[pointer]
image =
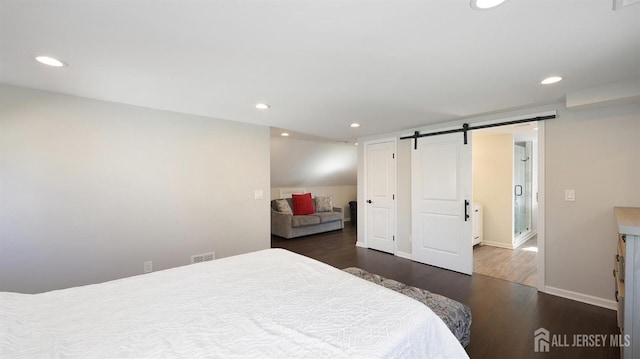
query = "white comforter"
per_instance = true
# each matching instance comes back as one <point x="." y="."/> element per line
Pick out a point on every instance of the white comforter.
<point x="266" y="304"/>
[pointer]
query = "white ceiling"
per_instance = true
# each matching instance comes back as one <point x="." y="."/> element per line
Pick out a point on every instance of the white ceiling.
<point x="320" y="64"/>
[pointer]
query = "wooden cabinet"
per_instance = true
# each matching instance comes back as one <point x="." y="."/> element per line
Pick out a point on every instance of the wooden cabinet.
<point x="618" y="274"/>
<point x="477" y="224"/>
<point x="627" y="275"/>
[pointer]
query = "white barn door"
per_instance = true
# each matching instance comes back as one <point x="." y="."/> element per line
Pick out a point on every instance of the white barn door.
<point x="380" y="207"/>
<point x="441" y="196"/>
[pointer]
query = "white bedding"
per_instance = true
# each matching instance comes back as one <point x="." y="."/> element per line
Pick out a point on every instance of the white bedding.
<point x="266" y="304"/>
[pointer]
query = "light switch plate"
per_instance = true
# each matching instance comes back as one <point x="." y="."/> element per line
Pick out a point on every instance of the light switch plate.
<point x="570" y="195"/>
<point x="258" y="194"/>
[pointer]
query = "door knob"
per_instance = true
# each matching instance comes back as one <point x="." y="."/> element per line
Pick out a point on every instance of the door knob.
<point x="369" y="201"/>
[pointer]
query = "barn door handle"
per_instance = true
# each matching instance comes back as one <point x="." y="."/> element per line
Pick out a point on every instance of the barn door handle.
<point x="466" y="210"/>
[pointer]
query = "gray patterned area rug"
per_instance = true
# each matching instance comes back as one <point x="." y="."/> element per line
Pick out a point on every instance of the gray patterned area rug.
<point x="454" y="314"/>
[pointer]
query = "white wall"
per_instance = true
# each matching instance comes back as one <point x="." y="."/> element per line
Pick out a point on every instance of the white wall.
<point x="492" y="185"/>
<point x="597" y="153"/>
<point x="89" y="190"/>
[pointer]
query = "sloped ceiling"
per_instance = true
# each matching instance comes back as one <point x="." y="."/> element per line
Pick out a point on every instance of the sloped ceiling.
<point x="321" y="65"/>
<point x="304" y="163"/>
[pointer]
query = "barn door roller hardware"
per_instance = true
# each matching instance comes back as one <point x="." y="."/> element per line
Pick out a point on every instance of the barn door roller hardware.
<point x="466" y="128"/>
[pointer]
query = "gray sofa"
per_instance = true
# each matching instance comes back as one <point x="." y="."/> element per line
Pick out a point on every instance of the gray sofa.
<point x="290" y="226"/>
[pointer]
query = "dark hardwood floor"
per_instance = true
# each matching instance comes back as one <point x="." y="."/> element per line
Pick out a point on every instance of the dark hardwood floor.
<point x="505" y="314"/>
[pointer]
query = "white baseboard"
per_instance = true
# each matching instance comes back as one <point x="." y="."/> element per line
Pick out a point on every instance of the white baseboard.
<point x="524" y="239"/>
<point x="509" y="246"/>
<point x="398" y="253"/>
<point x="584" y="298"/>
<point x="497" y="244"/>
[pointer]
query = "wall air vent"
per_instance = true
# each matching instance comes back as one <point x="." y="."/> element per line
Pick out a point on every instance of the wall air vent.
<point x="204" y="257"/>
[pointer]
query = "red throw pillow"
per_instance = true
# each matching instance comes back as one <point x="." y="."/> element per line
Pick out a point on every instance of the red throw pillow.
<point x="302" y="204"/>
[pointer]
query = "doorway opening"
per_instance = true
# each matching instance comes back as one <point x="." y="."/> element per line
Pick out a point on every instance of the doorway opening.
<point x="505" y="190"/>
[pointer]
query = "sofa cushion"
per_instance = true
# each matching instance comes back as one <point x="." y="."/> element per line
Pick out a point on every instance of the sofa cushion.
<point x="282" y="206"/>
<point x="328" y="216"/>
<point x="324" y="204"/>
<point x="307" y="220"/>
<point x="302" y="204"/>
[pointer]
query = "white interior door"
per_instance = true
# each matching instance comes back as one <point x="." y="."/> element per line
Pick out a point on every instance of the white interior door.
<point x="441" y="196"/>
<point x="380" y="208"/>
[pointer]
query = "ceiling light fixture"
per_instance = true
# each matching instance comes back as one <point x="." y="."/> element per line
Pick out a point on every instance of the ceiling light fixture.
<point x="50" y="61"/>
<point x="551" y="80"/>
<point x="355" y="125"/>
<point x="262" y="106"/>
<point x="284" y="134"/>
<point x="485" y="4"/>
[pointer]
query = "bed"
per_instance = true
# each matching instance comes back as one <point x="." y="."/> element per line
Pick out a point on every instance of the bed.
<point x="266" y="304"/>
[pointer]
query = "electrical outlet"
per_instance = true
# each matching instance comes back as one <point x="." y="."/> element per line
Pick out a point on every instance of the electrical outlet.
<point x="148" y="267"/>
<point x="570" y="195"/>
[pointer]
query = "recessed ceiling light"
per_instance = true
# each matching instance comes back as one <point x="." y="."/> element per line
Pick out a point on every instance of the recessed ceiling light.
<point x="485" y="4"/>
<point x="50" y="61"/>
<point x="284" y="134"/>
<point x="356" y="143"/>
<point x="551" y="80"/>
<point x="355" y="124"/>
<point x="262" y="106"/>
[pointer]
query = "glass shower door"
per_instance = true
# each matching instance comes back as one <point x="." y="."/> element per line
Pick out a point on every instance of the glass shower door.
<point x="522" y="188"/>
